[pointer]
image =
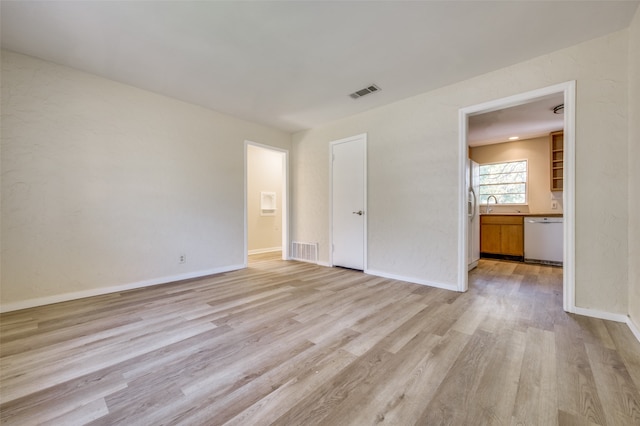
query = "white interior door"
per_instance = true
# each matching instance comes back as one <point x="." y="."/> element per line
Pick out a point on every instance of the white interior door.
<point x="348" y="186"/>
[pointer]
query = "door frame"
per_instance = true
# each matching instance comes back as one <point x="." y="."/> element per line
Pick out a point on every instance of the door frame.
<point x="568" y="89"/>
<point x="285" y="198"/>
<point x="363" y="137"/>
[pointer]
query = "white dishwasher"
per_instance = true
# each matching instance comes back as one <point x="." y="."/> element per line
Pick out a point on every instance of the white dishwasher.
<point x="543" y="240"/>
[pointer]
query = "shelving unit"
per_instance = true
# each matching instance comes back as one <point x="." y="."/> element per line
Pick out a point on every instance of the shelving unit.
<point x="556" y="142"/>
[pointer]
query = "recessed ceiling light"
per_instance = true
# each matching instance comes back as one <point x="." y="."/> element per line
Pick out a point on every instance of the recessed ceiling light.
<point x="514" y="138"/>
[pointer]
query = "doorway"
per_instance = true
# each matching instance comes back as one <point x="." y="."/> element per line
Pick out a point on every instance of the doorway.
<point x="567" y="90"/>
<point x="348" y="202"/>
<point x="266" y="200"/>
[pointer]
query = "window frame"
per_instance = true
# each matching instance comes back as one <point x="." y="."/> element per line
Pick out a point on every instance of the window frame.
<point x="526" y="183"/>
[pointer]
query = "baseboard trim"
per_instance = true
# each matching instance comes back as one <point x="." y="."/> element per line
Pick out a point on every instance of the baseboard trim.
<point x="66" y="297"/>
<point x="634" y="328"/>
<point x="41" y="301"/>
<point x="611" y="317"/>
<point x="265" y="250"/>
<point x="451" y="287"/>
<point x="600" y="314"/>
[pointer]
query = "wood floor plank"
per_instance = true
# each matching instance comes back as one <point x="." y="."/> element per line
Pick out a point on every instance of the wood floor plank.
<point x="456" y="394"/>
<point x="430" y="320"/>
<point x="621" y="399"/>
<point x="577" y="392"/>
<point x="627" y="347"/>
<point x="407" y="402"/>
<point x="383" y="325"/>
<point x="58" y="401"/>
<point x="81" y="415"/>
<point x="271" y="395"/>
<point x="568" y="419"/>
<point x="83" y="361"/>
<point x="536" y="399"/>
<point x="315" y="407"/>
<point x="594" y="330"/>
<point x="47" y="339"/>
<point x="362" y="404"/>
<point x="469" y="320"/>
<point x="284" y="342"/>
<point x="499" y="385"/>
<point x="177" y="356"/>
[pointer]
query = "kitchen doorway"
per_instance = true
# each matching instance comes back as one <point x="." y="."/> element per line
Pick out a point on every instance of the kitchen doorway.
<point x="266" y="200"/>
<point x="567" y="90"/>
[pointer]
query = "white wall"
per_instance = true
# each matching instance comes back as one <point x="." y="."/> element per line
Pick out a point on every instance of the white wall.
<point x="264" y="173"/>
<point x="537" y="152"/>
<point x="634" y="170"/>
<point x="105" y="185"/>
<point x="413" y="171"/>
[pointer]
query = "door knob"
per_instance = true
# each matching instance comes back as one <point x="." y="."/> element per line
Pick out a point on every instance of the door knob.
<point x="359" y="212"/>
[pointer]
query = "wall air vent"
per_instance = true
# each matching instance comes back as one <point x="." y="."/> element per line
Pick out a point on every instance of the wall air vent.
<point x="306" y="252"/>
<point x="360" y="93"/>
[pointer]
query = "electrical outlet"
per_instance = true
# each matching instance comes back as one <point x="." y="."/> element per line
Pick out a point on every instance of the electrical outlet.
<point x="554" y="205"/>
<point x="182" y="258"/>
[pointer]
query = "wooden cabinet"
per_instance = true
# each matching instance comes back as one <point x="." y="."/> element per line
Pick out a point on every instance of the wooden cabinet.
<point x="556" y="142"/>
<point x="502" y="236"/>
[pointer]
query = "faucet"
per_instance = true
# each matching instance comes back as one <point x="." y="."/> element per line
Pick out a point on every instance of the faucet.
<point x="494" y="199"/>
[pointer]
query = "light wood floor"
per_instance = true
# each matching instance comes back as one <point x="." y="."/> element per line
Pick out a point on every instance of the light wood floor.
<point x="292" y="343"/>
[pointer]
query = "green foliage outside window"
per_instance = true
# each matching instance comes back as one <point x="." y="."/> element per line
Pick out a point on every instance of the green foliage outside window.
<point x="507" y="181"/>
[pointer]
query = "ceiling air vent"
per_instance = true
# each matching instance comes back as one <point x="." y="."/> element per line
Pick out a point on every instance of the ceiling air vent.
<point x="360" y="93"/>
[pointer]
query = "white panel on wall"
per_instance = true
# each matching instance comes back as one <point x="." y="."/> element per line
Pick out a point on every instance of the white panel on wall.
<point x="268" y="203"/>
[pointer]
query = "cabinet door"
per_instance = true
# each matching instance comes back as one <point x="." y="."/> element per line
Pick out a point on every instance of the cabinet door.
<point x="490" y="238"/>
<point x="512" y="240"/>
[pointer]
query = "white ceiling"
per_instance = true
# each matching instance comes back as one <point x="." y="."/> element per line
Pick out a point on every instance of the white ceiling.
<point x="292" y="64"/>
<point x="525" y="121"/>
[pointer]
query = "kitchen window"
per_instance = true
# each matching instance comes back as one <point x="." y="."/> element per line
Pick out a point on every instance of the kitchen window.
<point x="506" y="181"/>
